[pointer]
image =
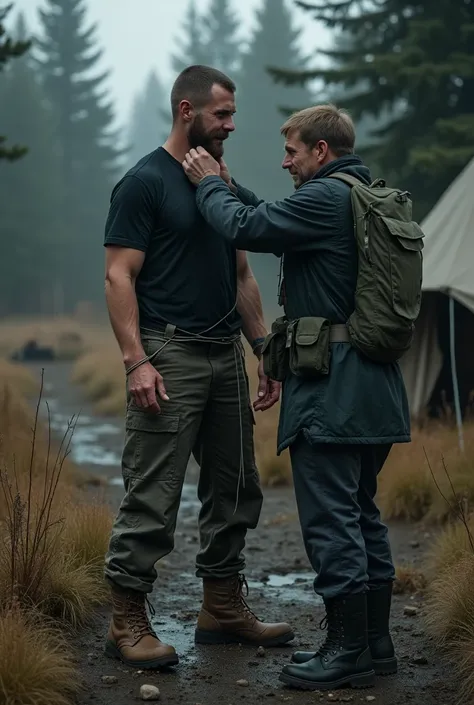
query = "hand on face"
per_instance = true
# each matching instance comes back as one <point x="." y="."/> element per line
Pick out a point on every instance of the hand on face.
<point x="198" y="164"/>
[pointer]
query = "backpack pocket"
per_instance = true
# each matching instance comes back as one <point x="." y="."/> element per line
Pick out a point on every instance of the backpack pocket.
<point x="275" y="352"/>
<point x="308" y="344"/>
<point x="406" y="266"/>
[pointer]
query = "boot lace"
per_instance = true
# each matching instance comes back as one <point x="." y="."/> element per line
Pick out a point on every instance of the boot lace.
<point x="334" y="623"/>
<point x="138" y="618"/>
<point x="238" y="600"/>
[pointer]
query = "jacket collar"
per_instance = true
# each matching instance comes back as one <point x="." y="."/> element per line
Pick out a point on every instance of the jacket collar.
<point x="350" y="160"/>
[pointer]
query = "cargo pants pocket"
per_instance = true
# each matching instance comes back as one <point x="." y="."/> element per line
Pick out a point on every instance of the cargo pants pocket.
<point x="308" y="345"/>
<point x="151" y="447"/>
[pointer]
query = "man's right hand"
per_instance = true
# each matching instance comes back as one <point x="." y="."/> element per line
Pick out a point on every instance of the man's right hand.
<point x="145" y="384"/>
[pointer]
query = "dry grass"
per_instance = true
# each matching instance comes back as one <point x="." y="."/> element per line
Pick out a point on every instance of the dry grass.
<point x="100" y="374"/>
<point x="16" y="450"/>
<point x="69" y="337"/>
<point x="450" y="546"/>
<point x="86" y="533"/>
<point x="407" y="488"/>
<point x="17" y="377"/>
<point x="461" y="652"/>
<point x="408" y="580"/>
<point x="36" y="664"/>
<point x="450" y="606"/>
<point x="50" y="548"/>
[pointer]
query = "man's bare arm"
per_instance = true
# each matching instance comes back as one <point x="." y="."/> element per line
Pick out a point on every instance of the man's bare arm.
<point x="249" y="302"/>
<point x="122" y="266"/>
<point x="249" y="305"/>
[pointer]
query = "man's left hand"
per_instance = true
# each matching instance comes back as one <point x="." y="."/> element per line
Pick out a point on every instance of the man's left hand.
<point x="198" y="164"/>
<point x="268" y="391"/>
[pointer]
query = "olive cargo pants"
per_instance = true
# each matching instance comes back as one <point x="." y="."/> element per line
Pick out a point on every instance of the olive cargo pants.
<point x="209" y="415"/>
<point x="345" y="540"/>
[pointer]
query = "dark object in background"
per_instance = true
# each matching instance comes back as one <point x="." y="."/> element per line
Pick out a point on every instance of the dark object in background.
<point x="31" y="351"/>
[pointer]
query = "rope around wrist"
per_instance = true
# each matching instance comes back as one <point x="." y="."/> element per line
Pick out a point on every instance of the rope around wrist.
<point x="139" y="363"/>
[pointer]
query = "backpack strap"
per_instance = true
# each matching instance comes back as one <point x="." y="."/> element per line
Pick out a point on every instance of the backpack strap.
<point x="347" y="178"/>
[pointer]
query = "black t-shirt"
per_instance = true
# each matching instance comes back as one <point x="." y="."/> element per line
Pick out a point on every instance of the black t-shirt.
<point x="189" y="276"/>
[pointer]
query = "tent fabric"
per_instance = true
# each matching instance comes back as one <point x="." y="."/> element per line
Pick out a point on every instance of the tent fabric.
<point x="422" y="364"/>
<point x="448" y="267"/>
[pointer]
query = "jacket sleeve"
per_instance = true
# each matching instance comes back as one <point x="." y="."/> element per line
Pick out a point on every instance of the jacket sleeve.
<point x="304" y="221"/>
<point x="247" y="197"/>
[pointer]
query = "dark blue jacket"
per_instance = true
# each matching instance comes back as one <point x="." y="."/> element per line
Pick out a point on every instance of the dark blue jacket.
<point x="359" y="401"/>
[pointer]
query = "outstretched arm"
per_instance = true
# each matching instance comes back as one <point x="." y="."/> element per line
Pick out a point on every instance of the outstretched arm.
<point x="301" y="222"/>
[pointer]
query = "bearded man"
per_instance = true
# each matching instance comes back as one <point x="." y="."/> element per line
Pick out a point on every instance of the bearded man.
<point x="179" y="297"/>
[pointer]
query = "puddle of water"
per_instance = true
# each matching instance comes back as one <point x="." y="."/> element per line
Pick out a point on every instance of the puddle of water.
<point x="294" y="587"/>
<point x="93" y="455"/>
<point x="289" y="579"/>
<point x="89" y="440"/>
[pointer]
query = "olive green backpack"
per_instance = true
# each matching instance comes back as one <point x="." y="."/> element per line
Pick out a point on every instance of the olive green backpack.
<point x="388" y="292"/>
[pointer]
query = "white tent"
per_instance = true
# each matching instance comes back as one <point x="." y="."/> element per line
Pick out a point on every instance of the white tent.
<point x="448" y="270"/>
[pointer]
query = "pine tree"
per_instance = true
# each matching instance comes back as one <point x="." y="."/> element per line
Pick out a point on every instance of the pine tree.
<point x="191" y="41"/>
<point x="30" y="223"/>
<point x="254" y="152"/>
<point x="149" y="121"/>
<point x="416" y="62"/>
<point x="10" y="49"/>
<point x="222" y="37"/>
<point x="67" y="57"/>
<point x="256" y="149"/>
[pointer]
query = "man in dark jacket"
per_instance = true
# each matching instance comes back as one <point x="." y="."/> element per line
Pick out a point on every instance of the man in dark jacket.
<point x="339" y="427"/>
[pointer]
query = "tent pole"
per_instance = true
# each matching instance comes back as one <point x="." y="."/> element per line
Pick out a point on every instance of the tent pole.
<point x="454" y="374"/>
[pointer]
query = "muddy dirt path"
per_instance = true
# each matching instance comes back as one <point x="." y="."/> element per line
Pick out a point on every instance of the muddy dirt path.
<point x="280" y="582"/>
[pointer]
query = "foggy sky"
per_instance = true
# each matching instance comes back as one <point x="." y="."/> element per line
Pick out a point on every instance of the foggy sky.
<point x="137" y="35"/>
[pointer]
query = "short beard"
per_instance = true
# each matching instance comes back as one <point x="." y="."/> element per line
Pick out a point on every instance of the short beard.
<point x="198" y="137"/>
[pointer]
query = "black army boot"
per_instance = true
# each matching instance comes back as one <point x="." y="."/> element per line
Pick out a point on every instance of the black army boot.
<point x="379" y="602"/>
<point x="344" y="659"/>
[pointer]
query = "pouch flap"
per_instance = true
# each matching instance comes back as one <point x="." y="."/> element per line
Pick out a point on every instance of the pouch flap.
<point x="309" y="329"/>
<point x="408" y="233"/>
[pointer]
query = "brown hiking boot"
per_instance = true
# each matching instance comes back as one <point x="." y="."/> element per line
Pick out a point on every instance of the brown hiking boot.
<point x="131" y="637"/>
<point x="225" y="617"/>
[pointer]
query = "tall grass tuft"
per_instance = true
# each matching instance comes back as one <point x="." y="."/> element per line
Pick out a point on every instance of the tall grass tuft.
<point x="49" y="561"/>
<point x="36" y="663"/>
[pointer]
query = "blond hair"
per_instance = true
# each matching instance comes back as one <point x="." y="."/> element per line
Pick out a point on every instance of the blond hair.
<point x="323" y="122"/>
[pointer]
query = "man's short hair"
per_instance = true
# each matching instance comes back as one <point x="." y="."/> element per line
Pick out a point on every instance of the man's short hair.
<point x="323" y="122"/>
<point x="195" y="84"/>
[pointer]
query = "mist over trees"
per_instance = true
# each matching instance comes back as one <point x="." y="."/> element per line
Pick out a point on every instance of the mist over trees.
<point x="409" y="68"/>
<point x="405" y="71"/>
